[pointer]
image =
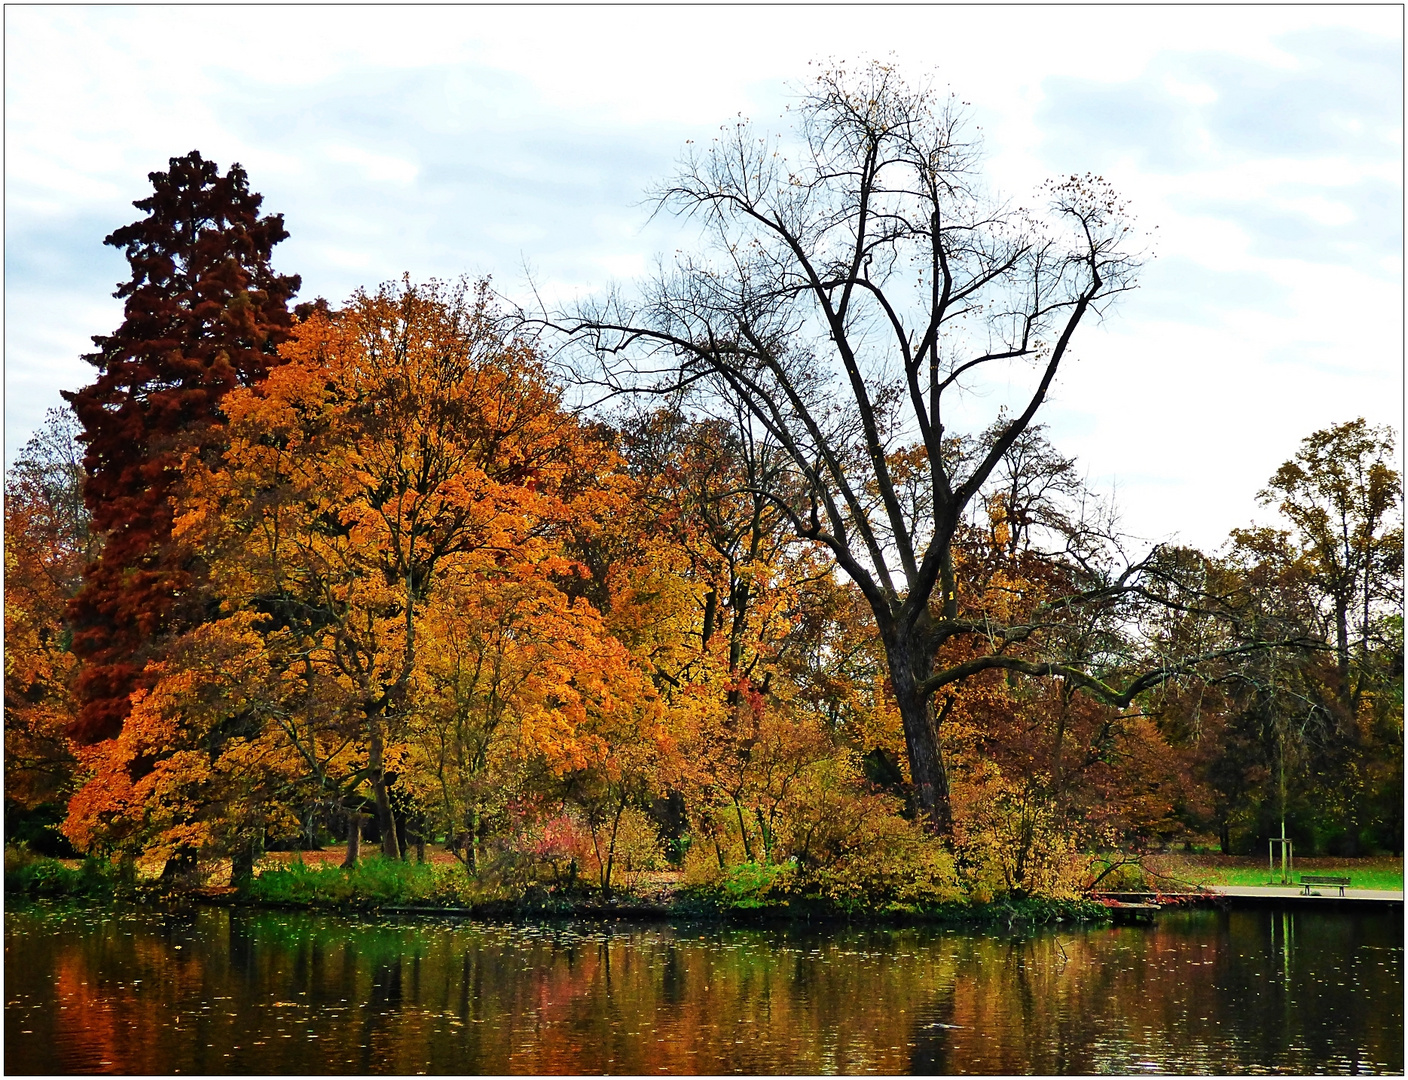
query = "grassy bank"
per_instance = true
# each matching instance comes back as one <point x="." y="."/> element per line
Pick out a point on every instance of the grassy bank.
<point x="38" y="876"/>
<point x="749" y="893"/>
<point x="1198" y="870"/>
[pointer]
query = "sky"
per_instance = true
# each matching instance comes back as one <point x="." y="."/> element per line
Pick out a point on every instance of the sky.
<point x="1260" y="147"/>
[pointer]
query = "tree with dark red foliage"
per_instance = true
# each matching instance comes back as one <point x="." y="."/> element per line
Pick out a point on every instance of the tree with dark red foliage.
<point x="205" y="312"/>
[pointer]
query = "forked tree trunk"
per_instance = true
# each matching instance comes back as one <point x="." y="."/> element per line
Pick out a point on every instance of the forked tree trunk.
<point x="909" y="667"/>
<point x="180" y="869"/>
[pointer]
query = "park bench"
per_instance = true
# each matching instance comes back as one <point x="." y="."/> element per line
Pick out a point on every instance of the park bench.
<point x="1307" y="880"/>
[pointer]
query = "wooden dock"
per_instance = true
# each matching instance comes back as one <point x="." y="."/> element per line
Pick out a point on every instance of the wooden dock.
<point x="1244" y="896"/>
<point x="1132" y="911"/>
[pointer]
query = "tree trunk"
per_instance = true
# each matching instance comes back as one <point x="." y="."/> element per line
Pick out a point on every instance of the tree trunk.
<point x="402" y="837"/>
<point x="743" y="831"/>
<point x="243" y="860"/>
<point x="711" y="608"/>
<point x="180" y="869"/>
<point x="385" y="822"/>
<point x="474" y="841"/>
<point x="929" y="779"/>
<point x="354" y="839"/>
<point x="1342" y="659"/>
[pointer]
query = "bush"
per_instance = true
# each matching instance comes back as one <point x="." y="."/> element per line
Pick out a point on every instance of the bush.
<point x="854" y="849"/>
<point x="37" y="876"/>
<point x="638" y="849"/>
<point x="754" y="885"/>
<point x="1012" y="843"/>
<point x="562" y="844"/>
<point x="901" y="869"/>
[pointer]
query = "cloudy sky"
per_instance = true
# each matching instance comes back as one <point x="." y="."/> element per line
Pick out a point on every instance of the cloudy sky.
<point x="1261" y="145"/>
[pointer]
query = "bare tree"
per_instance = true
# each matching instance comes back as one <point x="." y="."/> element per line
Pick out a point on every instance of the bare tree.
<point x="857" y="282"/>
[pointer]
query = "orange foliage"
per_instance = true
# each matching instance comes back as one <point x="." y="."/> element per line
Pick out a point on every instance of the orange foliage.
<point x="47" y="544"/>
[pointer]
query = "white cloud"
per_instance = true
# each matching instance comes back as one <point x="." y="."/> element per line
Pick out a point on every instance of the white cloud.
<point x="1193" y="93"/>
<point x="376" y="168"/>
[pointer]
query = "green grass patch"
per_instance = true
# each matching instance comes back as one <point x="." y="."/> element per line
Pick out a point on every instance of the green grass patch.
<point x="1360" y="878"/>
<point x="373" y="880"/>
<point x="1365" y="874"/>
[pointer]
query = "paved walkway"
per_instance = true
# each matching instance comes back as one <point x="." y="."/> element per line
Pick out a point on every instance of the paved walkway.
<point x="1294" y="892"/>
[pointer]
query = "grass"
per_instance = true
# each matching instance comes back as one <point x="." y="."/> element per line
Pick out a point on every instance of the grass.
<point x="373" y="880"/>
<point x="1376" y="873"/>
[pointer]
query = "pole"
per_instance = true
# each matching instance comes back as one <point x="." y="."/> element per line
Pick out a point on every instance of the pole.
<point x="1284" y="879"/>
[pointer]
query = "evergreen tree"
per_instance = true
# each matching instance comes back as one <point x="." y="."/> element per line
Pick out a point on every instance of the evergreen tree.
<point x="204" y="312"/>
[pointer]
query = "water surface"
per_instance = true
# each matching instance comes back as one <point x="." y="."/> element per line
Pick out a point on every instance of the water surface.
<point x="213" y="990"/>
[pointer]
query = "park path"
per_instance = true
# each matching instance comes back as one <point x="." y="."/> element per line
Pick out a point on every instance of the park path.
<point x="1294" y="892"/>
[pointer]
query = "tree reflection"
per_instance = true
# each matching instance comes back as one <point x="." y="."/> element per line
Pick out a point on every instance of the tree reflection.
<point x="237" y="991"/>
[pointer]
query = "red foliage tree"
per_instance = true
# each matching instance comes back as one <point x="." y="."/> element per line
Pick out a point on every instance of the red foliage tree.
<point x="204" y="312"/>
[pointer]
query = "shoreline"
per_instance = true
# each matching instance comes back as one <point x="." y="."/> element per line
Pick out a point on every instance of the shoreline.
<point x="401" y="891"/>
<point x="1028" y="912"/>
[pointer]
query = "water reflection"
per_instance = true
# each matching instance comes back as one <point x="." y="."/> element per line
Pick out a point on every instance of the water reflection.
<point x="214" y="990"/>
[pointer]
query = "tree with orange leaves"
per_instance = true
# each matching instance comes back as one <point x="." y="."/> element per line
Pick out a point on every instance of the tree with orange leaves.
<point x="406" y="442"/>
<point x="406" y="449"/>
<point x="47" y="544"/>
<point x="526" y="693"/>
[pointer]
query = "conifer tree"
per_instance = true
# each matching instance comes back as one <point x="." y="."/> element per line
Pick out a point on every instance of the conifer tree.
<point x="204" y="313"/>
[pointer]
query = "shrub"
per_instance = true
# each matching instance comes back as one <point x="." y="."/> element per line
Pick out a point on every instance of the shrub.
<point x="562" y="844"/>
<point x="38" y="876"/>
<point x="853" y="848"/>
<point x="701" y="865"/>
<point x="639" y="849"/>
<point x="1011" y="842"/>
<point x="755" y="885"/>
<point x="908" y="870"/>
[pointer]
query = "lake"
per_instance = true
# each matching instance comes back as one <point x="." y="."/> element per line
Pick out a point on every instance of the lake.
<point x="219" y="990"/>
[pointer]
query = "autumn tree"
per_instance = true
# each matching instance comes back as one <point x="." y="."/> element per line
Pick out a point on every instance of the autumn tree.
<point x="204" y="312"/>
<point x="1312" y="735"/>
<point x="1343" y="499"/>
<point x="524" y="696"/>
<point x="755" y="696"/>
<point x="198" y="768"/>
<point x="705" y="478"/>
<point x="406" y="449"/>
<point x="48" y="542"/>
